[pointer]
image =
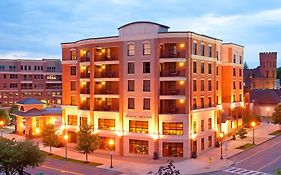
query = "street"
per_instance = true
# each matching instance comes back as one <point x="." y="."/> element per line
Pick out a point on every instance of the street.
<point x="261" y="160"/>
<point x="58" y="167"/>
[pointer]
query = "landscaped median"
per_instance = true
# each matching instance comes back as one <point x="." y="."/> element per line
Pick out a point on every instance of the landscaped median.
<point x="246" y="146"/>
<point x="276" y="133"/>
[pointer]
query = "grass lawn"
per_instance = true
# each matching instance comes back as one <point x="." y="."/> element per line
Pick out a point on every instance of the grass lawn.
<point x="278" y="132"/>
<point x="246" y="146"/>
<point x="71" y="160"/>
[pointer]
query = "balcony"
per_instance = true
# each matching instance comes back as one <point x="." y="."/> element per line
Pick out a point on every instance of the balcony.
<point x="106" y="54"/>
<point x="106" y="71"/>
<point x="109" y="87"/>
<point x="84" y="103"/>
<point x="85" y="55"/>
<point x="172" y="50"/>
<point x="172" y="69"/>
<point x="106" y="104"/>
<point x="172" y="88"/>
<point x="85" y="88"/>
<point x="172" y="107"/>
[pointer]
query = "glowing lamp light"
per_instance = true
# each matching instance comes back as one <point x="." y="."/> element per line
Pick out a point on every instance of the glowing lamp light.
<point x="103" y="82"/>
<point x="221" y="135"/>
<point x="65" y="137"/>
<point x="181" y="100"/>
<point x="253" y="124"/>
<point x="181" y="82"/>
<point x="155" y="136"/>
<point x="37" y="131"/>
<point x="119" y="133"/>
<point x="103" y="50"/>
<point x="103" y="99"/>
<point x="1" y="123"/>
<point x="181" y="64"/>
<point x="111" y="142"/>
<point x="182" y="45"/>
<point x="267" y="109"/>
<point x="193" y="136"/>
<point x="103" y="66"/>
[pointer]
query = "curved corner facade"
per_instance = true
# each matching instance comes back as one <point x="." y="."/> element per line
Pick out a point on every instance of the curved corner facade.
<point x="151" y="90"/>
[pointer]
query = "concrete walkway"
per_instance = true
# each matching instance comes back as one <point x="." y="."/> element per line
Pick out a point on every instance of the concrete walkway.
<point x="206" y="162"/>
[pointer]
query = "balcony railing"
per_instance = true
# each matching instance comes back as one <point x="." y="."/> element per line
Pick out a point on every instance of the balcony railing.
<point x="106" y="75"/>
<point x="85" y="91"/>
<point x="172" y="92"/>
<point x="85" y="75"/>
<point x="85" y="59"/>
<point x="106" y="108"/>
<point x="172" y="74"/>
<point x="84" y="107"/>
<point x="177" y="54"/>
<point x="106" y="91"/>
<point x="172" y="110"/>
<point x="106" y="57"/>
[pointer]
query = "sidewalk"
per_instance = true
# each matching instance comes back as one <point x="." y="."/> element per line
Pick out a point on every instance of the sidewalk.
<point x="206" y="162"/>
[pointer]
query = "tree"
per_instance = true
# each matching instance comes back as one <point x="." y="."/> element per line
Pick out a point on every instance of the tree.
<point x="169" y="169"/>
<point x="251" y="118"/>
<point x="13" y="109"/>
<point x="242" y="134"/>
<point x="278" y="171"/>
<point x="246" y="65"/>
<point x="49" y="137"/>
<point x="276" y="116"/>
<point x="16" y="156"/>
<point x="4" y="116"/>
<point x="86" y="141"/>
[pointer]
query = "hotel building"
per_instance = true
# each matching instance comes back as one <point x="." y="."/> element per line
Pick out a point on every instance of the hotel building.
<point x="152" y="90"/>
<point x="20" y="79"/>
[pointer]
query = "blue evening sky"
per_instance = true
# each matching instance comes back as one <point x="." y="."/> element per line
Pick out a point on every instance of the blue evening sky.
<point x="35" y="29"/>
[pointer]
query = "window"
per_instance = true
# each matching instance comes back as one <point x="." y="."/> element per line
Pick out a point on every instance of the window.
<point x="240" y="72"/>
<point x="194" y="103"/>
<point x="146" y="67"/>
<point x="202" y="125"/>
<point x="209" y="85"/>
<point x="210" y="141"/>
<point x="240" y="85"/>
<point x="194" y="85"/>
<point x="240" y="97"/>
<point x="131" y="103"/>
<point x="138" y="126"/>
<point x="73" y="55"/>
<point x="146" y="49"/>
<point x="234" y="85"/>
<point x="172" y="149"/>
<point x="131" y="49"/>
<point x="202" y="68"/>
<point x="209" y="101"/>
<point x="131" y="68"/>
<point x="234" y="99"/>
<point x="83" y="121"/>
<point x="194" y="51"/>
<point x="146" y="104"/>
<point x="217" y="70"/>
<point x="106" y="124"/>
<point x="73" y="85"/>
<point x="131" y="85"/>
<point x="172" y="128"/>
<point x="146" y="86"/>
<point x="234" y="58"/>
<point x="202" y="144"/>
<point x="194" y="126"/>
<point x="104" y="143"/>
<point x="202" y="85"/>
<point x="72" y="70"/>
<point x="209" y="68"/>
<point x="209" y="123"/>
<point x="202" y="49"/>
<point x="72" y="120"/>
<point x="73" y="101"/>
<point x="241" y="60"/>
<point x="217" y="99"/>
<point x="217" y="85"/>
<point x="138" y="146"/>
<point x="202" y="102"/>
<point x="234" y="72"/>
<point x="210" y="51"/>
<point x="194" y="67"/>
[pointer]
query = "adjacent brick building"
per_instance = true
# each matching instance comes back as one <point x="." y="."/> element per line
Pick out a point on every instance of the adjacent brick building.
<point x="40" y="79"/>
<point x="152" y="90"/>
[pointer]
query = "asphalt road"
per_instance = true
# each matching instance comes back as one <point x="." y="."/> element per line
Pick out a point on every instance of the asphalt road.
<point x="61" y="167"/>
<point x="261" y="160"/>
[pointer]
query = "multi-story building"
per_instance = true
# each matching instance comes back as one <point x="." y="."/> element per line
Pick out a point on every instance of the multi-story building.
<point x="149" y="89"/>
<point x="40" y="79"/>
<point x="264" y="76"/>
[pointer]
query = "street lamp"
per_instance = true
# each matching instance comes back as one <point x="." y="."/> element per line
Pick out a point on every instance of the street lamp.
<point x="1" y="127"/>
<point x="253" y="125"/>
<point x="193" y="148"/>
<point x="111" y="143"/>
<point x="65" y="137"/>
<point x="221" y="139"/>
<point x="37" y="132"/>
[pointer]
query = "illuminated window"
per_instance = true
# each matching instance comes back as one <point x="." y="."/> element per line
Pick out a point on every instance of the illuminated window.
<point x="72" y="120"/>
<point x="73" y="55"/>
<point x="138" y="126"/>
<point x="138" y="146"/>
<point x="172" y="149"/>
<point x="209" y="123"/>
<point x="146" y="49"/>
<point x="194" y="125"/>
<point x="83" y="121"/>
<point x="202" y="126"/>
<point x="73" y="101"/>
<point x="106" y="124"/>
<point x="172" y="128"/>
<point x="131" y="49"/>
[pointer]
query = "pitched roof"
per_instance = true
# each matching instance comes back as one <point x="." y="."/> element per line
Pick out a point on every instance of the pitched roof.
<point x="265" y="96"/>
<point x="30" y="101"/>
<point x="37" y="112"/>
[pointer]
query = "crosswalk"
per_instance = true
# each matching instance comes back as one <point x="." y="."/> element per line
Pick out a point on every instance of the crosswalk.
<point x="236" y="170"/>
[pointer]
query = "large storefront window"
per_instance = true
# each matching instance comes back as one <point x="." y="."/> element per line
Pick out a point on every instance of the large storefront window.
<point x="72" y="120"/>
<point x="172" y="128"/>
<point x="138" y="126"/>
<point x="138" y="146"/>
<point x="172" y="149"/>
<point x="104" y="143"/>
<point x="106" y="124"/>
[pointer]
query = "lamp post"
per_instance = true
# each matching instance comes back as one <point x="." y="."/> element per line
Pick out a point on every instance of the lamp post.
<point x="65" y="137"/>
<point x="111" y="143"/>
<point x="253" y="125"/>
<point x="37" y="132"/>
<point x="1" y="127"/>
<point x="221" y="139"/>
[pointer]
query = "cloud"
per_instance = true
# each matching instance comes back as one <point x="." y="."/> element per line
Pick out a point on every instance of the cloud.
<point x="25" y="55"/>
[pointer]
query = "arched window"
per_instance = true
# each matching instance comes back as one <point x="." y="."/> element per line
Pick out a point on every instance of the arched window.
<point x="202" y="49"/>
<point x="194" y="48"/>
<point x="210" y="50"/>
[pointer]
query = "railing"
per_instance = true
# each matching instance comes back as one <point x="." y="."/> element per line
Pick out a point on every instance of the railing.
<point x="106" y="108"/>
<point x="85" y="75"/>
<point x="84" y="91"/>
<point x="172" y="111"/>
<point x="85" y="59"/>
<point x="106" y="75"/>
<point x="106" y="91"/>
<point x="171" y="92"/>
<point x="106" y="58"/>
<point x="171" y="74"/>
<point x="178" y="54"/>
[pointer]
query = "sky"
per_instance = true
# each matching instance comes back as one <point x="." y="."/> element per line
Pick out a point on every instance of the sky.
<point x="34" y="29"/>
